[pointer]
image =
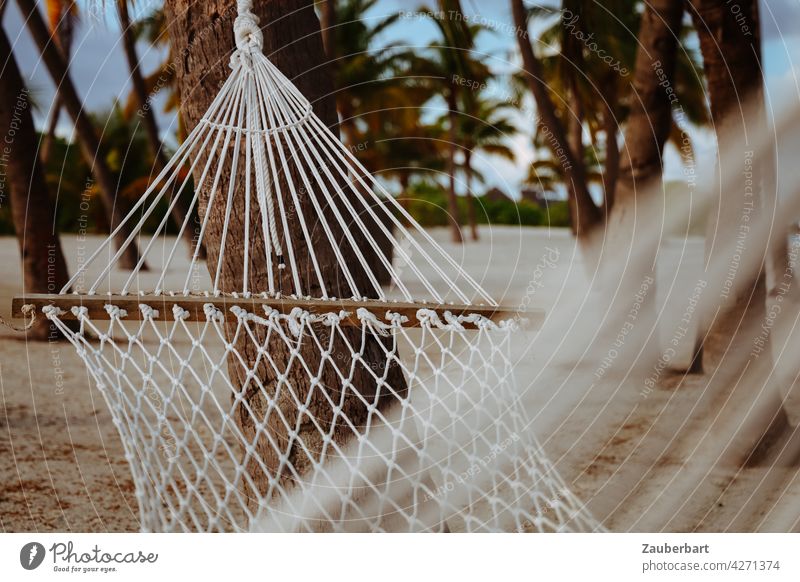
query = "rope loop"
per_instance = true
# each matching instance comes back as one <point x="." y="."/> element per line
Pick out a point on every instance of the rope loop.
<point x="26" y="309"/>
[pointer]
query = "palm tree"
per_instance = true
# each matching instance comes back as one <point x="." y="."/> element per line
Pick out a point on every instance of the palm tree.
<point x="591" y="89"/>
<point x="486" y="130"/>
<point x="733" y="70"/>
<point x="145" y="113"/>
<point x="363" y="72"/>
<point x="547" y="175"/>
<point x="449" y="66"/>
<point x="152" y="28"/>
<point x="62" y="16"/>
<point x="584" y="213"/>
<point x="44" y="269"/>
<point x="87" y="137"/>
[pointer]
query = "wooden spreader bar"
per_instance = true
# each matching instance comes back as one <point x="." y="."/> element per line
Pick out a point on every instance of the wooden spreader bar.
<point x="194" y="306"/>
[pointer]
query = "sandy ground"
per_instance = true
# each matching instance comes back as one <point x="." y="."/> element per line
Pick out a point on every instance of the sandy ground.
<point x="675" y="459"/>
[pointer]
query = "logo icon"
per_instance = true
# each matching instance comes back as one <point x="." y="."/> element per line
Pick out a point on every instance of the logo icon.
<point x="31" y="555"/>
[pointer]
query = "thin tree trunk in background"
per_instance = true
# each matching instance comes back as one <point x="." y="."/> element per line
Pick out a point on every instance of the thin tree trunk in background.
<point x="650" y="118"/>
<point x="610" y="128"/>
<point x="404" y="197"/>
<point x="348" y="131"/>
<point x="584" y="213"/>
<point x="148" y="117"/>
<point x="87" y="138"/>
<point x="454" y="219"/>
<point x="731" y="62"/>
<point x="202" y="31"/>
<point x="575" y="142"/>
<point x="62" y="26"/>
<point x="328" y="26"/>
<point x="632" y="217"/>
<point x="43" y="267"/>
<point x="471" y="212"/>
<point x="50" y="134"/>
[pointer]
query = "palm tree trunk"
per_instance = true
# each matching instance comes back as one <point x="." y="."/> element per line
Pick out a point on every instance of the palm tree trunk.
<point x="328" y="26"/>
<point x="145" y="112"/>
<point x="44" y="269"/>
<point x="584" y="213"/>
<point x="650" y="119"/>
<point x="452" y="200"/>
<point x="50" y="134"/>
<point x="630" y="222"/>
<point x="610" y="128"/>
<point x="732" y="65"/>
<point x="471" y="213"/>
<point x="63" y="32"/>
<point x="87" y="138"/>
<point x="203" y="31"/>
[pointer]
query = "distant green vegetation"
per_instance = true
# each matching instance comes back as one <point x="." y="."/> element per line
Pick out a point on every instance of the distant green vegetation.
<point x="78" y="207"/>
<point x="427" y="203"/>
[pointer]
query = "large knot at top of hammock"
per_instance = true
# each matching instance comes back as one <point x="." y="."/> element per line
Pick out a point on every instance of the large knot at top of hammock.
<point x="247" y="34"/>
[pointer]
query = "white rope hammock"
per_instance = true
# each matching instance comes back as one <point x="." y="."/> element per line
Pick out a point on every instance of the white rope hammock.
<point x="275" y="405"/>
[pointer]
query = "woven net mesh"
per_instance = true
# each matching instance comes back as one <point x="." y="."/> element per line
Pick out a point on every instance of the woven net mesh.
<point x="303" y="419"/>
<point x="450" y="447"/>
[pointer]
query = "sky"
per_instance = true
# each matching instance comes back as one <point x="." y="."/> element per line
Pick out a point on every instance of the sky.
<point x="101" y="75"/>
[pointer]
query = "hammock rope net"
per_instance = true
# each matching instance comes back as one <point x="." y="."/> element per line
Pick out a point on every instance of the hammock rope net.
<point x="381" y="398"/>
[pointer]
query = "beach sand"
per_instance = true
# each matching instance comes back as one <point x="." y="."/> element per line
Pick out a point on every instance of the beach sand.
<point x="639" y="462"/>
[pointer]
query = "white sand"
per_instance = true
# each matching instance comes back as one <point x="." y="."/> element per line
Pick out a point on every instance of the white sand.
<point x="634" y="460"/>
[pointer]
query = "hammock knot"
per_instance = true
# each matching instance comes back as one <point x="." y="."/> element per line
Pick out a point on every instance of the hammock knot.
<point x="514" y="324"/>
<point x="115" y="312"/>
<point x="296" y="319"/>
<point x="148" y="313"/>
<point x="368" y="318"/>
<point x="397" y="319"/>
<point x="179" y="312"/>
<point x="428" y="318"/>
<point x="212" y="313"/>
<point x="52" y="311"/>
<point x="241" y="313"/>
<point x="478" y="321"/>
<point x="332" y="319"/>
<point x="453" y="322"/>
<point x="80" y="312"/>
